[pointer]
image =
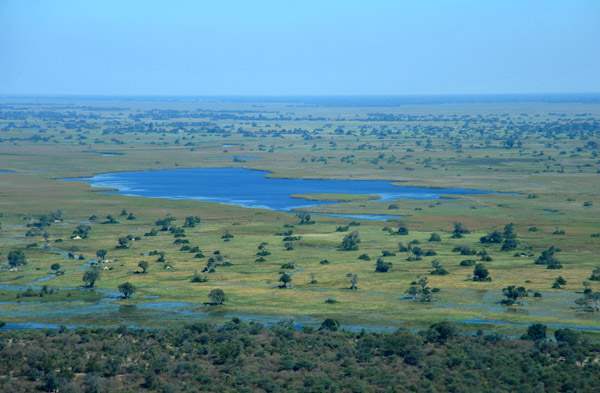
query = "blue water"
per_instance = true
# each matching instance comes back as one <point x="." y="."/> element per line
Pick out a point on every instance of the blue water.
<point x="5" y="171"/>
<point x="250" y="188"/>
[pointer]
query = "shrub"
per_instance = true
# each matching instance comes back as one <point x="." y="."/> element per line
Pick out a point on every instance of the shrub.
<point x="535" y="332"/>
<point x="217" y="296"/>
<point x="480" y="273"/>
<point x="350" y="242"/>
<point x="382" y="267"/>
<point x="330" y="324"/>
<point x="435" y="238"/>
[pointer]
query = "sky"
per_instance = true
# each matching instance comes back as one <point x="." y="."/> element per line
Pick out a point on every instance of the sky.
<point x="301" y="47"/>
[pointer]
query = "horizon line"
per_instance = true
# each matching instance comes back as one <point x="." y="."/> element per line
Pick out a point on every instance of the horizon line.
<point x="290" y="95"/>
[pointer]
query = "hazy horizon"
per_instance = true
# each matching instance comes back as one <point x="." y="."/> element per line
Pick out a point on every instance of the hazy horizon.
<point x="313" y="48"/>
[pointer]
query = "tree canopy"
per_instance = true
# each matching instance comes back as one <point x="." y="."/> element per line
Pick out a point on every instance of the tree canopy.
<point x="217" y="296"/>
<point x="16" y="258"/>
<point x="128" y="289"/>
<point x="90" y="277"/>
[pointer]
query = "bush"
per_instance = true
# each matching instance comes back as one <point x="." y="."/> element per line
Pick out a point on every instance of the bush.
<point x="464" y="250"/>
<point x="350" y="242"/>
<point x="330" y="324"/>
<point x="197" y="278"/>
<point x="568" y="336"/>
<point x="441" y="332"/>
<point x="494" y="237"/>
<point x="16" y="258"/>
<point x="382" y="267"/>
<point x="480" y="273"/>
<point x="535" y="332"/>
<point x="509" y="245"/>
<point x="217" y="296"/>
<point x="435" y="238"/>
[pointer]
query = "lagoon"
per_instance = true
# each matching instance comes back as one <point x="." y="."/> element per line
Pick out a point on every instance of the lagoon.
<point x="250" y="188"/>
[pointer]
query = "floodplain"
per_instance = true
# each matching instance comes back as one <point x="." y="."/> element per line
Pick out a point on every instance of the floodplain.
<point x="540" y="156"/>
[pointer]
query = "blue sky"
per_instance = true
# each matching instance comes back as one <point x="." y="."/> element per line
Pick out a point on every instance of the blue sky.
<point x="264" y="47"/>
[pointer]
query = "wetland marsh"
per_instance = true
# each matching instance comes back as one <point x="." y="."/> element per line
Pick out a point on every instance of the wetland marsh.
<point x="158" y="195"/>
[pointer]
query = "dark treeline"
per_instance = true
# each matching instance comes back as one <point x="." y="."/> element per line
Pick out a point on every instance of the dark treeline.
<point x="239" y="357"/>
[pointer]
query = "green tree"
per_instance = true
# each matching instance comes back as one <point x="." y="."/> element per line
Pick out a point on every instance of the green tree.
<point x="144" y="266"/>
<point x="441" y="332"/>
<point x="227" y="235"/>
<point x="55" y="267"/>
<point x="513" y="294"/>
<point x="382" y="267"/>
<point x="127" y="289"/>
<point x="558" y="282"/>
<point x="285" y="279"/>
<point x="509" y="245"/>
<point x="110" y="220"/>
<point x="82" y="231"/>
<point x="435" y="238"/>
<point x="304" y="219"/>
<point x="217" y="296"/>
<point x="16" y="258"/>
<point x="568" y="336"/>
<point x="480" y="273"/>
<point x="402" y="229"/>
<point x="547" y="258"/>
<point x="494" y="237"/>
<point x="191" y="222"/>
<point x="459" y="230"/>
<point x="509" y="232"/>
<point x="350" y="241"/>
<point x="124" y="242"/>
<point x="535" y="332"/>
<point x="101" y="254"/>
<point x="90" y="277"/>
<point x="590" y="302"/>
<point x="417" y="252"/>
<point x="595" y="274"/>
<point x="438" y="269"/>
<point x="420" y="291"/>
<point x="330" y="324"/>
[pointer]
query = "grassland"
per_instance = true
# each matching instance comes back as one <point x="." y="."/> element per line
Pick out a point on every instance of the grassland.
<point x="545" y="155"/>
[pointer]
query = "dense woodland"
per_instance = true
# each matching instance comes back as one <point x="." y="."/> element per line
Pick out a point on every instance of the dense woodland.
<point x="239" y="357"/>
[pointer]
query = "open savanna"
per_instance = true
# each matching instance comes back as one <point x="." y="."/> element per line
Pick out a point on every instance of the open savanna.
<point x="544" y="156"/>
